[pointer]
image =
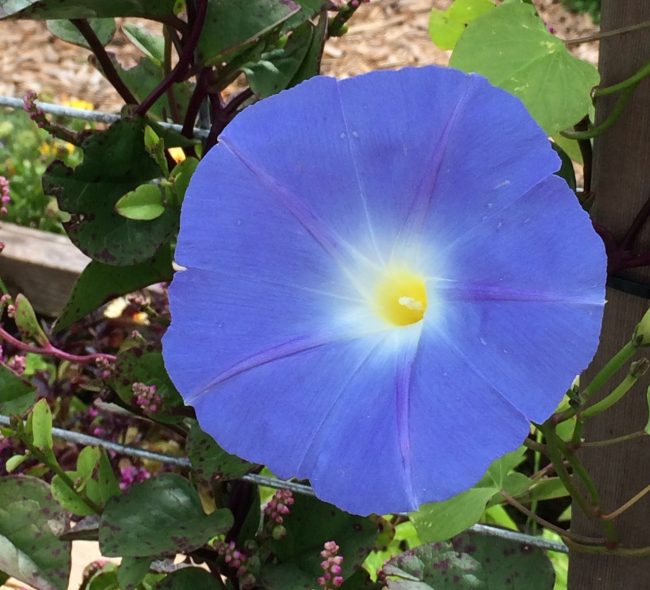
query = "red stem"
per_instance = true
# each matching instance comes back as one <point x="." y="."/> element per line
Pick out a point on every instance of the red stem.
<point x="50" y="350"/>
<point x="185" y="60"/>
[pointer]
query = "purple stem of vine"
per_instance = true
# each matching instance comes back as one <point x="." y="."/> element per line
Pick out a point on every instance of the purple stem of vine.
<point x="50" y="350"/>
<point x="104" y="60"/>
<point x="185" y="59"/>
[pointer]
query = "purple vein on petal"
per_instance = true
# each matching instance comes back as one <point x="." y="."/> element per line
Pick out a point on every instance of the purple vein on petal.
<point x="278" y="352"/>
<point x="479" y="292"/>
<point x="432" y="164"/>
<point x="331" y="243"/>
<point x="335" y="402"/>
<point x="405" y="366"/>
<point x="480" y="374"/>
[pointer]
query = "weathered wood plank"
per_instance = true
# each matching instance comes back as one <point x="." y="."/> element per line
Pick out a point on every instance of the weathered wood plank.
<point x="41" y="265"/>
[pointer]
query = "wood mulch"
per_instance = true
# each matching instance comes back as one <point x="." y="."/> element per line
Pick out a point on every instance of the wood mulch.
<point x="383" y="34"/>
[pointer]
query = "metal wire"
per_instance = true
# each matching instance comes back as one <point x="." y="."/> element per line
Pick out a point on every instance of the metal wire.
<point x="273" y="482"/>
<point x="87" y="115"/>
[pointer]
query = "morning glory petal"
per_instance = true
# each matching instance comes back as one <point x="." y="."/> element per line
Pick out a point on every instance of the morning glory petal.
<point x="383" y="283"/>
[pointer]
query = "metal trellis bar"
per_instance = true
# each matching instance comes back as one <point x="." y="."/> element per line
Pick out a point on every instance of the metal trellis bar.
<point x="273" y="482"/>
<point x="87" y="115"/>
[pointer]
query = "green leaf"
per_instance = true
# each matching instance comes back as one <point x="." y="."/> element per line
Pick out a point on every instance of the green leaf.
<point x="14" y="462"/>
<point x="27" y="323"/>
<point x="99" y="283"/>
<point x="155" y="147"/>
<point x="106" y="483"/>
<point x="446" y="26"/>
<point x="144" y="365"/>
<point x="152" y="45"/>
<point x="181" y="176"/>
<point x="132" y="571"/>
<point x="566" y="170"/>
<point x="210" y="461"/>
<point x="86" y="463"/>
<point x="145" y="203"/>
<point x="16" y="394"/>
<point x="232" y="24"/>
<point x="30" y="522"/>
<point x="43" y="9"/>
<point x="439" y="521"/>
<point x="308" y="10"/>
<point x="63" y="29"/>
<point x="512" y="48"/>
<point x="275" y="70"/>
<point x="115" y="162"/>
<point x="158" y="516"/>
<point x="309" y="525"/>
<point x="188" y="578"/>
<point x="68" y="498"/>
<point x="42" y="426"/>
<point x="471" y="561"/>
<point x="499" y="469"/>
<point x="570" y="147"/>
<point x="3" y="578"/>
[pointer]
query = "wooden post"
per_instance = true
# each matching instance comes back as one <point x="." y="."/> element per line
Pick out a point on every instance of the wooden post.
<point x="622" y="186"/>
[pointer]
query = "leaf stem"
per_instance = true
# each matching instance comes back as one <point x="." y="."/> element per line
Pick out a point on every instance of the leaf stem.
<point x="631" y="81"/>
<point x="618" y="109"/>
<point x="54" y="466"/>
<point x="616" y="440"/>
<point x="612" y="366"/>
<point x="636" y="371"/>
<point x="51" y="350"/>
<point x="607" y="34"/>
<point x="104" y="60"/>
<point x="550" y="526"/>
<point x="633" y="500"/>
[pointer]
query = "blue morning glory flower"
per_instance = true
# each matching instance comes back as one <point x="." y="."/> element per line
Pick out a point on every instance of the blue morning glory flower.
<point x="384" y="282"/>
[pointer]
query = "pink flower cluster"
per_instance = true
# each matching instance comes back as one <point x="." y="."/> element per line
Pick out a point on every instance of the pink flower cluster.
<point x="331" y="565"/>
<point x="130" y="475"/>
<point x="146" y="397"/>
<point x="35" y="114"/>
<point x="236" y="559"/>
<point x="5" y="195"/>
<point x="278" y="506"/>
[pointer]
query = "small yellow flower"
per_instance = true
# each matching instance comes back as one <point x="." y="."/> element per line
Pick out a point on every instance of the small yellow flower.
<point x="79" y="103"/>
<point x="177" y="154"/>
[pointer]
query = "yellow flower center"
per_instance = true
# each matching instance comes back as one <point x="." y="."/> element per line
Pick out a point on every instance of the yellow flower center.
<point x="401" y="297"/>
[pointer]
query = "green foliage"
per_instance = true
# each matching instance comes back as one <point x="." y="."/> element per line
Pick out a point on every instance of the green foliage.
<point x="471" y="561"/>
<point x="25" y="153"/>
<point x="104" y="29"/>
<point x="40" y="9"/>
<point x="99" y="283"/>
<point x="591" y="7"/>
<point x="512" y="48"/>
<point x="210" y="461"/>
<point x="159" y="516"/>
<point x="284" y="67"/>
<point x="439" y="521"/>
<point x="310" y="524"/>
<point x="115" y="162"/>
<point x="231" y="25"/>
<point x="30" y="523"/>
<point x="16" y="394"/>
<point x="446" y="26"/>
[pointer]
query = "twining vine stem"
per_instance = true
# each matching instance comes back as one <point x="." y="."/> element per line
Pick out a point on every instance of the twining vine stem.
<point x="104" y="60"/>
